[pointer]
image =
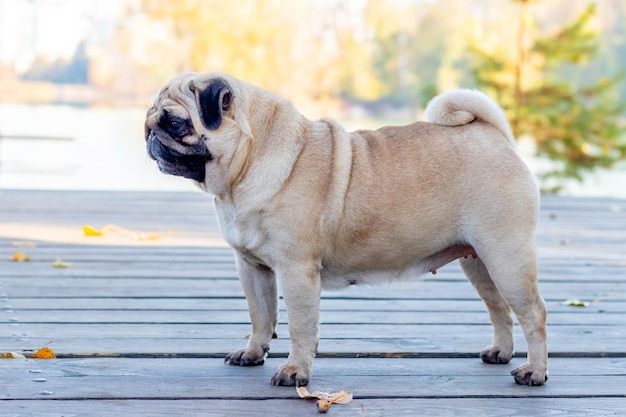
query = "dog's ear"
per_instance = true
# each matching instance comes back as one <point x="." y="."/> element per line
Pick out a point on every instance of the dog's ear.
<point x="213" y="100"/>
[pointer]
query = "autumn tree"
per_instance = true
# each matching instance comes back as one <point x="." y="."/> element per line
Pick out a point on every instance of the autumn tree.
<point x="578" y="127"/>
<point x="405" y="51"/>
<point x="278" y="45"/>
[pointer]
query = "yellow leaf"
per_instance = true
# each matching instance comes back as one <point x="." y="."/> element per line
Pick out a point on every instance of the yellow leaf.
<point x="44" y="353"/>
<point x="20" y="257"/>
<point x="12" y="355"/>
<point x="575" y="302"/>
<point x="60" y="264"/>
<point x="90" y="231"/>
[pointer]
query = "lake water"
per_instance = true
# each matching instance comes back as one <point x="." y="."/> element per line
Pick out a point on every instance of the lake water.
<point x="57" y="147"/>
<point x="68" y="148"/>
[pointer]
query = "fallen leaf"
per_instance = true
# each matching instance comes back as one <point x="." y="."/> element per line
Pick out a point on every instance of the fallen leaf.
<point x="323" y="406"/>
<point x="575" y="302"/>
<point x="20" y="257"/>
<point x="325" y="399"/>
<point x="60" y="264"/>
<point x="91" y="231"/>
<point x="44" y="353"/>
<point x="12" y="355"/>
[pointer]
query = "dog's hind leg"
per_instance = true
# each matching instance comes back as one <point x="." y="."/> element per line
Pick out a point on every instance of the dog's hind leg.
<point x="513" y="269"/>
<point x="501" y="349"/>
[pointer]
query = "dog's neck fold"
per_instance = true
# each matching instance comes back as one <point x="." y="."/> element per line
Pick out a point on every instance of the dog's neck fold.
<point x="261" y="136"/>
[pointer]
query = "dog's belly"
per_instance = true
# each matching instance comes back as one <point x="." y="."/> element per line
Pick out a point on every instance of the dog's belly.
<point x="339" y="278"/>
<point x="333" y="280"/>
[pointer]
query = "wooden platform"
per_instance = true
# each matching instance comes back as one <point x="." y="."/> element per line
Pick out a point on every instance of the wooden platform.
<point x="141" y="327"/>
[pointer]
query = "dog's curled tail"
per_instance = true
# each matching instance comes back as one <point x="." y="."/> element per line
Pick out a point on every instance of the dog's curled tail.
<point x="459" y="107"/>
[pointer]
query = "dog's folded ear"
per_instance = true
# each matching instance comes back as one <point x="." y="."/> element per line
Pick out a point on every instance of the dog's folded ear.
<point x="213" y="100"/>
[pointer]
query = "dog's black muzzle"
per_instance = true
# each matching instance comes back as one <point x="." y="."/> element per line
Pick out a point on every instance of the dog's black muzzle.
<point x="190" y="165"/>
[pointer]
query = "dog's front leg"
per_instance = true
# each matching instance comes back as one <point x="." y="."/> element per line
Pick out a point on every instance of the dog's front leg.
<point x="259" y="285"/>
<point x="301" y="287"/>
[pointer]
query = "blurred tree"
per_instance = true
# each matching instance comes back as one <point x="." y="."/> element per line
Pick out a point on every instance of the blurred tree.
<point x="577" y="127"/>
<point x="275" y="44"/>
<point x="70" y="71"/>
<point x="407" y="50"/>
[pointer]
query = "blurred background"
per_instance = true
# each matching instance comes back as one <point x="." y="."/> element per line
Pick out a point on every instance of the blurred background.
<point x="76" y="77"/>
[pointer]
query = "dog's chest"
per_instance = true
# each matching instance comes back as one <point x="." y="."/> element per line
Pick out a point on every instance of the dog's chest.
<point x="240" y="231"/>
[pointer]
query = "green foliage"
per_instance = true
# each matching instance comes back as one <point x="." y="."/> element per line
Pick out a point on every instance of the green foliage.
<point x="395" y="55"/>
<point x="578" y="127"/>
<point x="411" y="43"/>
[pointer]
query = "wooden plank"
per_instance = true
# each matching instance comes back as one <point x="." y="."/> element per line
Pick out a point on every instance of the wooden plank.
<point x="194" y="345"/>
<point x="129" y="256"/>
<point x="88" y="339"/>
<point x="134" y="209"/>
<point x="549" y="254"/>
<point x="64" y="286"/>
<point x="84" y="305"/>
<point x="95" y="199"/>
<point x="551" y="246"/>
<point x="163" y="263"/>
<point x="328" y="367"/>
<point x="444" y="407"/>
<point x="114" y="269"/>
<point x="200" y="268"/>
<point x="327" y="317"/>
<point x="252" y="382"/>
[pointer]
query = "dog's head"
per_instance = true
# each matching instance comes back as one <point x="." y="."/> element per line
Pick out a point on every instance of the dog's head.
<point x="197" y="129"/>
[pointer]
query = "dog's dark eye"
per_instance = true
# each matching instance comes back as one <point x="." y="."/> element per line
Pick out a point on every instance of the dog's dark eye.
<point x="173" y="125"/>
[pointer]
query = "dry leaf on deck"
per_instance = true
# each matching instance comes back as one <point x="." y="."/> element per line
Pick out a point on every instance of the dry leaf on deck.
<point x="20" y="257"/>
<point x="325" y="399"/>
<point x="575" y="302"/>
<point x="44" y="353"/>
<point x="92" y="231"/>
<point x="12" y="355"/>
<point x="60" y="264"/>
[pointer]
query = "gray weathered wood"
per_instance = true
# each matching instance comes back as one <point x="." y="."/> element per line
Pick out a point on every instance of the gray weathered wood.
<point x="440" y="407"/>
<point x="210" y="305"/>
<point x="366" y="378"/>
<point x="345" y="339"/>
<point x="327" y="317"/>
<point x="141" y="328"/>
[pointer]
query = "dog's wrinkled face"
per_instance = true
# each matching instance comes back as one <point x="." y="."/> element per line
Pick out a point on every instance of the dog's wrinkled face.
<point x="179" y="124"/>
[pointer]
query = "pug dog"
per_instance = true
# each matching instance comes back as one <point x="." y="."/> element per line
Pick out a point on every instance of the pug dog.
<point x="307" y="205"/>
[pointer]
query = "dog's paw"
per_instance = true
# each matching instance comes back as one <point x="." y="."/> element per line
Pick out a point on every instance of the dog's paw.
<point x="247" y="356"/>
<point x="496" y="355"/>
<point x="291" y="375"/>
<point x="524" y="375"/>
